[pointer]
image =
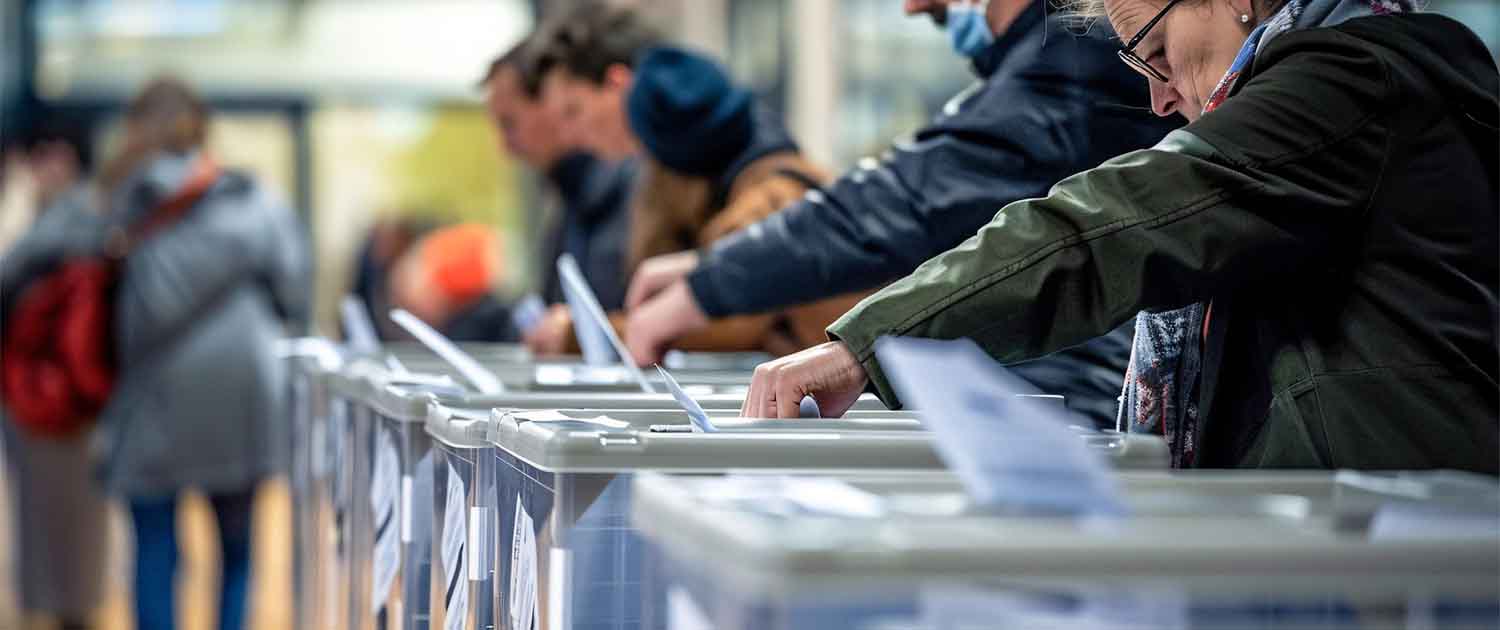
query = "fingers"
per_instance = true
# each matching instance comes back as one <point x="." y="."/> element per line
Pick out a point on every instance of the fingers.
<point x="640" y="339"/>
<point x="767" y="408"/>
<point x="656" y="274"/>
<point x="640" y="288"/>
<point x="752" y="401"/>
<point x="788" y="401"/>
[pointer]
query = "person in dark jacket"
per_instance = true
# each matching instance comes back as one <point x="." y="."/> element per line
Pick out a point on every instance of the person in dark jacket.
<point x="1314" y="254"/>
<point x="591" y="215"/>
<point x="593" y="221"/>
<point x="1049" y="104"/>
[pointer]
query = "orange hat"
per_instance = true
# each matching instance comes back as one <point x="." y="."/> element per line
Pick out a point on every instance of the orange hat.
<point x="462" y="261"/>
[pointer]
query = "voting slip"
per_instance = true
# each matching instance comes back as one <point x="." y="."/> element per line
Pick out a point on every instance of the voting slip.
<point x="596" y="338"/>
<point x="359" y="331"/>
<point x="1011" y="452"/>
<point x="695" y="412"/>
<point x="484" y="380"/>
<point x="528" y="312"/>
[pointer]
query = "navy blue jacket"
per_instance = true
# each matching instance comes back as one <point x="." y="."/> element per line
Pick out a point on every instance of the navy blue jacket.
<point x="1050" y="104"/>
<point x="594" y="226"/>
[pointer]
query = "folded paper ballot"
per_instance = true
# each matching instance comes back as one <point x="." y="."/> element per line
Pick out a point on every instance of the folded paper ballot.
<point x="483" y="380"/>
<point x="695" y="412"/>
<point x="528" y="313"/>
<point x="359" y="331"/>
<point x="596" y="338"/>
<point x="1011" y="451"/>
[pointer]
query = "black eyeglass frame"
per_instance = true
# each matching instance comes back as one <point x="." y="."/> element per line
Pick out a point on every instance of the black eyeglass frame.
<point x="1127" y="53"/>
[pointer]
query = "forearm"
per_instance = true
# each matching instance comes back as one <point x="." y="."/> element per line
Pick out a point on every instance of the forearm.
<point x="1150" y="230"/>
<point x="868" y="229"/>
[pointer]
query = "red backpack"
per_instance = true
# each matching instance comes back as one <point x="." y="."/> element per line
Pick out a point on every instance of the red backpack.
<point x="57" y="365"/>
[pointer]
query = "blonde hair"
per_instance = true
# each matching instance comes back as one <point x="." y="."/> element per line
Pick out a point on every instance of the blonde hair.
<point x="1080" y="15"/>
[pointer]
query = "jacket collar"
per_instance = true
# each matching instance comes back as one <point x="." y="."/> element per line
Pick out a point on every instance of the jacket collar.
<point x="571" y="173"/>
<point x="988" y="62"/>
<point x="769" y="136"/>
<point x="589" y="186"/>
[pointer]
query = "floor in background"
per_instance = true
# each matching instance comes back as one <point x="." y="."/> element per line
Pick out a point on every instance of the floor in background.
<point x="198" y="576"/>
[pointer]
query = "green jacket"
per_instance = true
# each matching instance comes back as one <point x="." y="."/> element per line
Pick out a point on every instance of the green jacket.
<point x="1340" y="212"/>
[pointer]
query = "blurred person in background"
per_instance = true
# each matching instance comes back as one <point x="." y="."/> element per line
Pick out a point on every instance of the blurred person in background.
<point x="58" y="513"/>
<point x="716" y="160"/>
<point x="590" y="219"/>
<point x="50" y="160"/>
<point x="1311" y="260"/>
<point x="199" y="305"/>
<point x="389" y="239"/>
<point x="448" y="278"/>
<point x="1048" y="104"/>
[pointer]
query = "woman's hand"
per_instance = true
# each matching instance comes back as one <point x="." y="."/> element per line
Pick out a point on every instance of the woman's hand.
<point x="828" y="372"/>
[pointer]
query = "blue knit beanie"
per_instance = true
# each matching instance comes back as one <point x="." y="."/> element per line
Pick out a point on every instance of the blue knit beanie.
<point x="687" y="112"/>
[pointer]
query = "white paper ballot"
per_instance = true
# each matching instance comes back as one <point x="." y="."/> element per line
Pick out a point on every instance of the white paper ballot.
<point x="528" y="312"/>
<point x="1010" y="452"/>
<point x="590" y="322"/>
<point x="484" y="380"/>
<point x="701" y="423"/>
<point x="359" y="331"/>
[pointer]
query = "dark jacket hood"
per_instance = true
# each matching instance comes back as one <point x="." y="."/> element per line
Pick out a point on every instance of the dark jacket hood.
<point x="768" y="135"/>
<point x="1034" y="17"/>
<point x="1451" y="55"/>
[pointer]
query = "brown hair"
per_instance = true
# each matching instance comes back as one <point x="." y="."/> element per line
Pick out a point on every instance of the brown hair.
<point x="172" y="112"/>
<point x="166" y="115"/>
<point x="521" y="58"/>
<point x="588" y="40"/>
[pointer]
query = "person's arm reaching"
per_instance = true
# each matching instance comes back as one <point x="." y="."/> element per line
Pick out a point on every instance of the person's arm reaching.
<point x="1255" y="190"/>
<point x="884" y="218"/>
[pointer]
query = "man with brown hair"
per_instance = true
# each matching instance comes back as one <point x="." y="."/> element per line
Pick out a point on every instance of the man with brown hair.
<point x="590" y="219"/>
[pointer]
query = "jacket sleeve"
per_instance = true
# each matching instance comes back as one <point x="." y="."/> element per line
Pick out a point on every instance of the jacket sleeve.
<point x="172" y="278"/>
<point x="1256" y="190"/>
<point x="69" y="228"/>
<point x="1010" y="140"/>
<point x="288" y="270"/>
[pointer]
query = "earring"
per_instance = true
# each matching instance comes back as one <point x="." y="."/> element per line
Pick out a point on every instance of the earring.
<point x="1244" y="18"/>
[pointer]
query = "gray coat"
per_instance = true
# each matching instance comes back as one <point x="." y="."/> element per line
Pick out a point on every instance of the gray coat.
<point x="200" y="393"/>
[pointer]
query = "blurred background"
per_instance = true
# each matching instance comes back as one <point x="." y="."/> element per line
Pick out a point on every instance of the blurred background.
<point x="366" y="112"/>
<point x="361" y="110"/>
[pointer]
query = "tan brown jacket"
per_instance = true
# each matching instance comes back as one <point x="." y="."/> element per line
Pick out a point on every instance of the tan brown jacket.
<point x="673" y="212"/>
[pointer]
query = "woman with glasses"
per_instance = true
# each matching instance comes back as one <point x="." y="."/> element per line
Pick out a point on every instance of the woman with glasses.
<point x="1314" y="255"/>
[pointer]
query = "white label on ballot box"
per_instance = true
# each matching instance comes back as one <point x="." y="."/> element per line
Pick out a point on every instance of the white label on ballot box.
<point x="383" y="488"/>
<point x="455" y="582"/>
<point x="405" y="504"/>
<point x="523" y="570"/>
<point x="1010" y="452"/>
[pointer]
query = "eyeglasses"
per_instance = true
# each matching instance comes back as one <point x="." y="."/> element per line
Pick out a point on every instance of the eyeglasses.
<point x="1127" y="54"/>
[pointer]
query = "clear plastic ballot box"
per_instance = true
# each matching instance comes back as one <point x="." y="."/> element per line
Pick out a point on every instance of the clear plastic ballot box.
<point x="310" y="361"/>
<point x="563" y="551"/>
<point x="385" y="456"/>
<point x="464" y="489"/>
<point x="1203" y="549"/>
<point x="331" y="389"/>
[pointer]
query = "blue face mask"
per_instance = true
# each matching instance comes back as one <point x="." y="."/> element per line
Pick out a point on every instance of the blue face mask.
<point x="968" y="30"/>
